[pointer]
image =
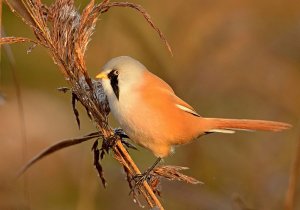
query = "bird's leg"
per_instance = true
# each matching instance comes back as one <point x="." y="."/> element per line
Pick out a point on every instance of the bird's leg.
<point x="140" y="178"/>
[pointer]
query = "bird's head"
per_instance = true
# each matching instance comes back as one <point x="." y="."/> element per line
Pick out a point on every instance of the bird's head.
<point x="120" y="74"/>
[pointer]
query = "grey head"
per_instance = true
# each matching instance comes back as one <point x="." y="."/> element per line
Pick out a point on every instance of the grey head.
<point x="121" y="74"/>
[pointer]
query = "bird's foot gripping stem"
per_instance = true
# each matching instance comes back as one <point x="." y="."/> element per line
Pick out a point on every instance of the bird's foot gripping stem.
<point x="138" y="179"/>
<point x="111" y="142"/>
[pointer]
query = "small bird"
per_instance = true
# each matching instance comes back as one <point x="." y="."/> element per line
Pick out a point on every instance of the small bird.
<point x="151" y="114"/>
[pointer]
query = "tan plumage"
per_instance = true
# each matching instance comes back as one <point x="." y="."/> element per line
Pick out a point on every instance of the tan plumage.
<point x="154" y="117"/>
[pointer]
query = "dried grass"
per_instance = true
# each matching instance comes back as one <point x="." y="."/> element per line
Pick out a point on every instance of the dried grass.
<point x="66" y="33"/>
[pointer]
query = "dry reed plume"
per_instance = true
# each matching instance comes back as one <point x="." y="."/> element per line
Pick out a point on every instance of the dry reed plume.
<point x="66" y="33"/>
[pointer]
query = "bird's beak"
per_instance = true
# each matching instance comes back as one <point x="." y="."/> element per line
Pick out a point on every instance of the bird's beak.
<point x="102" y="75"/>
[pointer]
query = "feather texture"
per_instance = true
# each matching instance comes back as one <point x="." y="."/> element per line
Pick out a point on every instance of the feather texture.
<point x="153" y="116"/>
<point x="245" y="124"/>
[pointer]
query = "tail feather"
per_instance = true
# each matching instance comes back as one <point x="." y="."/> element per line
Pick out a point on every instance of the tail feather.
<point x="245" y="124"/>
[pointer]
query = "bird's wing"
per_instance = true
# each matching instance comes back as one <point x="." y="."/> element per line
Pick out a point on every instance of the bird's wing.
<point x="181" y="104"/>
<point x="157" y="83"/>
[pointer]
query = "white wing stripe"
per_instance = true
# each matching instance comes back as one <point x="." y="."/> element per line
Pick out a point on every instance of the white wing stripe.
<point x="184" y="108"/>
<point x="221" y="131"/>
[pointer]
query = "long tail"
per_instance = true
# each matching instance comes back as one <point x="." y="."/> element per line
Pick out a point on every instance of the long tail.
<point x="229" y="125"/>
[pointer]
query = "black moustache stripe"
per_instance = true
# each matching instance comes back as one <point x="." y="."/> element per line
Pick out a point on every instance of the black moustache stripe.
<point x="114" y="82"/>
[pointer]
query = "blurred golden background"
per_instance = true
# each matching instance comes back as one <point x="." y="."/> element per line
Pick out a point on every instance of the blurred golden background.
<point x="233" y="59"/>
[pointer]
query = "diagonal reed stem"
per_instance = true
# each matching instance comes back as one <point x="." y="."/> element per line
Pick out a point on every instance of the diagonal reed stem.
<point x="66" y="33"/>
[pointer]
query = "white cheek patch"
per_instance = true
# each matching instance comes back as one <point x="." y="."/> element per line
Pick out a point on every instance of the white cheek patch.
<point x="107" y="87"/>
<point x="184" y="108"/>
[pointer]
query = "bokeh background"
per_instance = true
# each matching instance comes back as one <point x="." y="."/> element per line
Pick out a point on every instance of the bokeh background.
<point x="235" y="59"/>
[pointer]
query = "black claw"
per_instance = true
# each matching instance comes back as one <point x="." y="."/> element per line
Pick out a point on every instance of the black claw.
<point x="123" y="136"/>
<point x="109" y="143"/>
<point x="121" y="133"/>
<point x="128" y="145"/>
<point x="138" y="180"/>
<point x="146" y="176"/>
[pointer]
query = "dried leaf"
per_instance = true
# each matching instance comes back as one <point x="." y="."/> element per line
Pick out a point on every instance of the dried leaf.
<point x="56" y="147"/>
<point x="75" y="111"/>
<point x="97" y="163"/>
<point x="18" y="7"/>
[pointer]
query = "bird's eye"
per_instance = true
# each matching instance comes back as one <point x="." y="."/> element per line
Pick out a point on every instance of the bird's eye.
<point x="116" y="72"/>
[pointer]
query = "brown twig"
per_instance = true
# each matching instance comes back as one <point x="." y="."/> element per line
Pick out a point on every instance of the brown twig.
<point x="293" y="181"/>
<point x="127" y="158"/>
